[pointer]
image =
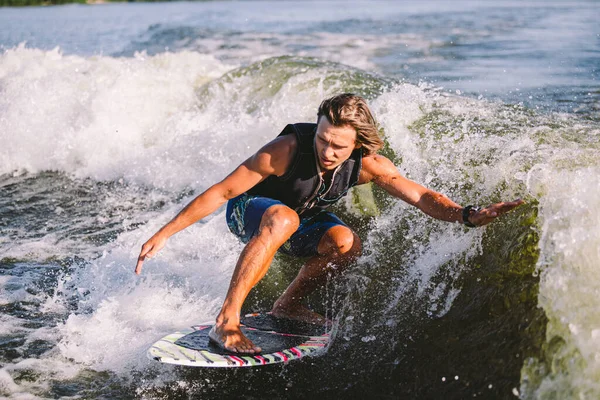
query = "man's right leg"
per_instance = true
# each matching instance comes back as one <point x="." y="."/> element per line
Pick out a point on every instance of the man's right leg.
<point x="277" y="224"/>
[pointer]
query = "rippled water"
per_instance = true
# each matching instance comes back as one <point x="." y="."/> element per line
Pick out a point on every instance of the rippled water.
<point x="115" y="116"/>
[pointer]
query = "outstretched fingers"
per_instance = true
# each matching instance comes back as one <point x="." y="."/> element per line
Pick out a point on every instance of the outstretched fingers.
<point x="504" y="207"/>
<point x="142" y="258"/>
<point x="149" y="250"/>
<point x="490" y="213"/>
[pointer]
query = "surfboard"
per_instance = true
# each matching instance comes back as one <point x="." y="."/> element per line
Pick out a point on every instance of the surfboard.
<point x="281" y="341"/>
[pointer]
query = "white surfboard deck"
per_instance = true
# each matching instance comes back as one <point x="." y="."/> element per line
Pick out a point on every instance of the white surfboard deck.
<point x="281" y="341"/>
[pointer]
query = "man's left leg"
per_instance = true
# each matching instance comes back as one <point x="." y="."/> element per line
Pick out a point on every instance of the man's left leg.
<point x="338" y="247"/>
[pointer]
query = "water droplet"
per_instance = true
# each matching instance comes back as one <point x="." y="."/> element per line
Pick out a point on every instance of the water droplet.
<point x="369" y="338"/>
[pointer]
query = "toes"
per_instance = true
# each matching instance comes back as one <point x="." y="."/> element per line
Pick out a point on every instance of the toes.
<point x="243" y="348"/>
<point x="244" y="351"/>
<point x="250" y="349"/>
<point x="239" y="344"/>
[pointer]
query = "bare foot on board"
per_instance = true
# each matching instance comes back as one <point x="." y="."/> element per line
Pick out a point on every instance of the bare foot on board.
<point x="232" y="339"/>
<point x="299" y="313"/>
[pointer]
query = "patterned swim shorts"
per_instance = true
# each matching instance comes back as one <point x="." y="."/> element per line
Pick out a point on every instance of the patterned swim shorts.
<point x="245" y="212"/>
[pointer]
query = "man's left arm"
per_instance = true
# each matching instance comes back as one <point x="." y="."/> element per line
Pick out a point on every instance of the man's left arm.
<point x="383" y="172"/>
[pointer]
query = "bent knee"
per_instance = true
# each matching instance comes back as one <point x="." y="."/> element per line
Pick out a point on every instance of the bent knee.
<point x="341" y="240"/>
<point x="280" y="219"/>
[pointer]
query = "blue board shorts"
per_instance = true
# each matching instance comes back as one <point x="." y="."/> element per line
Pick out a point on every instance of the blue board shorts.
<point x="245" y="212"/>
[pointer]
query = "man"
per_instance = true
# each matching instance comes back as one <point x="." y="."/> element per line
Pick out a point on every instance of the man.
<point x="276" y="201"/>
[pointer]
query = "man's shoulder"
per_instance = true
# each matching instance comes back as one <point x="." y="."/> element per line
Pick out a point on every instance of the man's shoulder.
<point x="374" y="159"/>
<point x="279" y="152"/>
<point x="374" y="166"/>
<point x="297" y="136"/>
<point x="281" y="144"/>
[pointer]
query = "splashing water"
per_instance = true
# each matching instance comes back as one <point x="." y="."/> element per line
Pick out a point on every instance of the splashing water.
<point x="99" y="151"/>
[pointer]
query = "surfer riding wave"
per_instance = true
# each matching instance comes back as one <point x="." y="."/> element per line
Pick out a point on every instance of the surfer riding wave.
<point x="277" y="200"/>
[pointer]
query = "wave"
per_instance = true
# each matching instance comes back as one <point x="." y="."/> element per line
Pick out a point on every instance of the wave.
<point x="425" y="293"/>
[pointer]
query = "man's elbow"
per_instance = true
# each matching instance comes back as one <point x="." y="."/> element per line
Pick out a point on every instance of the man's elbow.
<point x="424" y="201"/>
<point x="218" y="194"/>
<point x="229" y="193"/>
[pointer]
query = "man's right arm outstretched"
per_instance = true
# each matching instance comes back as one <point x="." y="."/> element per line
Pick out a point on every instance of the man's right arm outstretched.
<point x="272" y="159"/>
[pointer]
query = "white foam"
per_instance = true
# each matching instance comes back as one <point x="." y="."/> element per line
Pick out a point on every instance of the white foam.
<point x="184" y="285"/>
<point x="95" y="116"/>
<point x="7" y="384"/>
<point x="569" y="280"/>
<point x="151" y="121"/>
<point x="44" y="368"/>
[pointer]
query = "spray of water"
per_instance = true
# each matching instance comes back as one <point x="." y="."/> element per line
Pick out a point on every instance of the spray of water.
<point x="151" y="132"/>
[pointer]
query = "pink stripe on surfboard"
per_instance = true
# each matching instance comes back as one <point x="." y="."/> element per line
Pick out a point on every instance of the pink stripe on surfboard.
<point x="239" y="360"/>
<point x="296" y="351"/>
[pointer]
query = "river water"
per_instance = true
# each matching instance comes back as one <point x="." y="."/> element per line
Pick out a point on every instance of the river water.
<point x="113" y="117"/>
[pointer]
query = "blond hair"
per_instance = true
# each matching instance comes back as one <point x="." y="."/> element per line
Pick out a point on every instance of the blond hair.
<point x="350" y="109"/>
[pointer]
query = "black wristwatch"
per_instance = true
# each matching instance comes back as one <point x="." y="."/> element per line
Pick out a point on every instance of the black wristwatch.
<point x="466" y="212"/>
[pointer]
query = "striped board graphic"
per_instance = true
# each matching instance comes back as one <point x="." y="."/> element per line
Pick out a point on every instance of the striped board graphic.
<point x="280" y="343"/>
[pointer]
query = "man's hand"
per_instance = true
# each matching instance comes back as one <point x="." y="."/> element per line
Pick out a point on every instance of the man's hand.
<point x="491" y="212"/>
<point x="149" y="249"/>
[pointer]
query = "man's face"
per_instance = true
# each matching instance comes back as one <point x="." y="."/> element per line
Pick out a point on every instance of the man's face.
<point x="334" y="144"/>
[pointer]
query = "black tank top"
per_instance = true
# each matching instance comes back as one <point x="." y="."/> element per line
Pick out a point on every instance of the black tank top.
<point x="301" y="187"/>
